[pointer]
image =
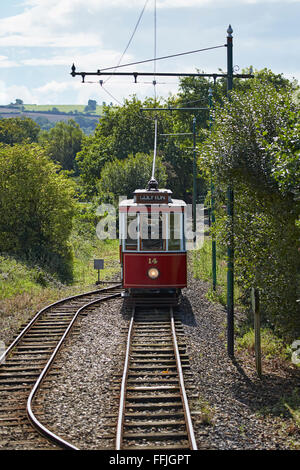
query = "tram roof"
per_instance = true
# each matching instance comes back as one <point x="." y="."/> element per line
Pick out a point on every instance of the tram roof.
<point x="130" y="202"/>
<point x="153" y="197"/>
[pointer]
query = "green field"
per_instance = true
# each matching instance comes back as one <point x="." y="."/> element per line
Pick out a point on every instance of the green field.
<point x="64" y="108"/>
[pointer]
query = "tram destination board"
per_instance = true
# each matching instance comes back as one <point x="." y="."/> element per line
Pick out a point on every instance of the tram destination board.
<point x="152" y="198"/>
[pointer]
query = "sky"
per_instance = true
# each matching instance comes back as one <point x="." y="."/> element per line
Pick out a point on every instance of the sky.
<point x="41" y="39"/>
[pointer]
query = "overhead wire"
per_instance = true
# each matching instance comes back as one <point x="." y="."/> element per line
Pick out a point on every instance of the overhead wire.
<point x="155" y="59"/>
<point x="112" y="96"/>
<point x="162" y="58"/>
<point x="154" y="84"/>
<point x="155" y="26"/>
<point x="124" y="52"/>
<point x="131" y="37"/>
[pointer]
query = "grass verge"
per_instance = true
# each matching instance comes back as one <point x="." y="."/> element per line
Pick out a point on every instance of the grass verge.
<point x="202" y="269"/>
<point x="25" y="289"/>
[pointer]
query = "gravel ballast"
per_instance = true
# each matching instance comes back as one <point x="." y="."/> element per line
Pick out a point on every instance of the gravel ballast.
<point x="242" y="407"/>
<point x="228" y="403"/>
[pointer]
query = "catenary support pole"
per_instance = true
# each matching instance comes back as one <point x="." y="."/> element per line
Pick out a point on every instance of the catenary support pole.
<point x="230" y="214"/>
<point x="194" y="178"/>
<point x="256" y="316"/>
<point x="212" y="190"/>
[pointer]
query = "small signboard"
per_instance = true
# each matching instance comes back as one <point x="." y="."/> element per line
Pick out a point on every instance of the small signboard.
<point x="152" y="198"/>
<point x="98" y="263"/>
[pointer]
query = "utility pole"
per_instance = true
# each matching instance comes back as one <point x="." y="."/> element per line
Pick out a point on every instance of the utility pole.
<point x="212" y="190"/>
<point x="194" y="178"/>
<point x="230" y="208"/>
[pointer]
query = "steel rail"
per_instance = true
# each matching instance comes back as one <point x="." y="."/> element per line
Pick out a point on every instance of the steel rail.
<point x="123" y="386"/>
<point x="186" y="408"/>
<point x="40" y="312"/>
<point x="123" y="391"/>
<point x="36" y="423"/>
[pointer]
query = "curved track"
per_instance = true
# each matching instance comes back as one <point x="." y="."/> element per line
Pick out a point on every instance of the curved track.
<point x="154" y="411"/>
<point x="24" y="366"/>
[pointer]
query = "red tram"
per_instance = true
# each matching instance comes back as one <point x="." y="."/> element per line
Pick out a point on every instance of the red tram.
<point x="152" y="245"/>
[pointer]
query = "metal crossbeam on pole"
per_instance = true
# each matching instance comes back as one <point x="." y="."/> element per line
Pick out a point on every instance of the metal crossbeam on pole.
<point x="174" y="109"/>
<point x="178" y="133"/>
<point x="157" y="74"/>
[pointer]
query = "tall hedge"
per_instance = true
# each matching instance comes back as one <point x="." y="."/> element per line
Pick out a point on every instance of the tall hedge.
<point x="36" y="207"/>
<point x="254" y="146"/>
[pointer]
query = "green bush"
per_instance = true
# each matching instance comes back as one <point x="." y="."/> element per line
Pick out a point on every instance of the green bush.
<point x="36" y="207"/>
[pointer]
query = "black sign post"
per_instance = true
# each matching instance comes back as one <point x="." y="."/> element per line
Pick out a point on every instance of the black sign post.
<point x="98" y="264"/>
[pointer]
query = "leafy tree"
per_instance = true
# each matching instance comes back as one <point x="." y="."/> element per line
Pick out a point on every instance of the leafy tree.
<point x="131" y="131"/>
<point x="44" y="123"/>
<point x="194" y="93"/>
<point x="62" y="143"/>
<point x="90" y="160"/>
<point x="285" y="151"/>
<point x="243" y="128"/>
<point x="121" y="132"/>
<point x="36" y="207"/>
<point x="267" y="77"/>
<point x="122" y="178"/>
<point x="254" y="145"/>
<point x="92" y="104"/>
<point x="86" y="124"/>
<point x="18" y="130"/>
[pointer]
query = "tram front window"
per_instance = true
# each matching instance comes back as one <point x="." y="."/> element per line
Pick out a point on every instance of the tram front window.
<point x="151" y="230"/>
<point x="174" y="231"/>
<point x="131" y="239"/>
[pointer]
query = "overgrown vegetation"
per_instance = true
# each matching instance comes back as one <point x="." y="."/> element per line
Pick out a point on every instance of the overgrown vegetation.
<point x="202" y="269"/>
<point x="37" y="206"/>
<point x="62" y="143"/>
<point x="255" y="146"/>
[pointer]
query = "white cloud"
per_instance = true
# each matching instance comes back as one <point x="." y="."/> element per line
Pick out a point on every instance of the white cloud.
<point x="57" y="23"/>
<point x="51" y="92"/>
<point x="9" y="94"/>
<point x="92" y="60"/>
<point x="68" y="5"/>
<point x="48" y="23"/>
<point x="43" y="39"/>
<point x="5" y="62"/>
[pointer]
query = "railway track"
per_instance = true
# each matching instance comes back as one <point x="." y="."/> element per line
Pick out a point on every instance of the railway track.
<point x="27" y="363"/>
<point x="153" y="410"/>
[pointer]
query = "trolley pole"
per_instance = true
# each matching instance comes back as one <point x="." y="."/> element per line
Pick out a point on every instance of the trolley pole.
<point x="212" y="190"/>
<point x="230" y="208"/>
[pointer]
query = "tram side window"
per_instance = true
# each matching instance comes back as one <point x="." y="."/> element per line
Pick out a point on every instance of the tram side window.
<point x="131" y="234"/>
<point x="151" y="232"/>
<point x="174" y="231"/>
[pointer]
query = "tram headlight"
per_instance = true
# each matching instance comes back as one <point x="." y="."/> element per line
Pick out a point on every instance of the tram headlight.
<point x="153" y="273"/>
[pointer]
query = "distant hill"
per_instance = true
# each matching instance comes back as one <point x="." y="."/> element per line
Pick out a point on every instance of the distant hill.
<point x="63" y="108"/>
<point x="46" y="116"/>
